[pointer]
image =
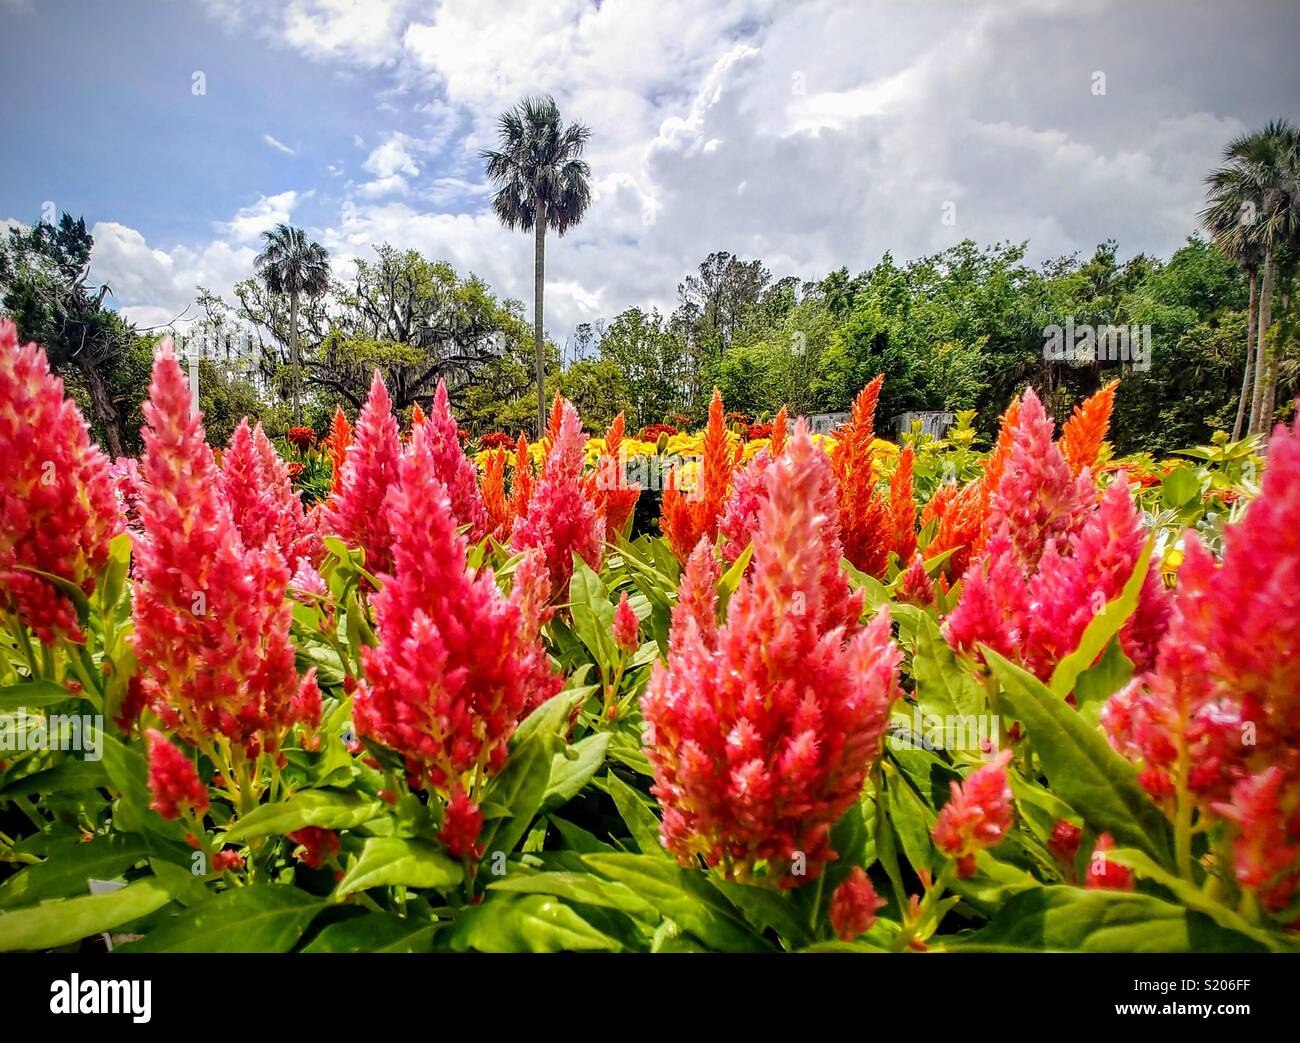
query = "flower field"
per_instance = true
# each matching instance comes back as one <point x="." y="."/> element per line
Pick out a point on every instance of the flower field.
<point x="394" y="692"/>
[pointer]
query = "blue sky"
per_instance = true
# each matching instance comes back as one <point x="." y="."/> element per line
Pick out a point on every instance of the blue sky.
<point x="811" y="135"/>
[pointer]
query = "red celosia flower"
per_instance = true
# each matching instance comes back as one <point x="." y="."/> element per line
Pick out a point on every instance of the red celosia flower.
<point x="615" y="497"/>
<point x="336" y="445"/>
<point x="357" y="514"/>
<point x="301" y="438"/>
<point x="316" y="846"/>
<point x="211" y="617"/>
<point x="978" y="814"/>
<point x="173" y="780"/>
<point x="757" y="431"/>
<point x="1103" y="874"/>
<point x="453" y="468"/>
<point x="688" y="516"/>
<point x="306" y="703"/>
<point x="626" y="627"/>
<point x="496" y="440"/>
<point x="853" y="906"/>
<point x="228" y="858"/>
<point x="651" y="432"/>
<point x="762" y="730"/>
<point x="58" y="502"/>
<point x="1084" y="432"/>
<point x="914" y="584"/>
<point x="1064" y="842"/>
<point x="263" y="503"/>
<point x="1264" y="857"/>
<point x="457" y="663"/>
<point x="561" y="520"/>
<point x="461" y="824"/>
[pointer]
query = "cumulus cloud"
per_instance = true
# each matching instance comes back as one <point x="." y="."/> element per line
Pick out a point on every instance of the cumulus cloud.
<point x="812" y="136"/>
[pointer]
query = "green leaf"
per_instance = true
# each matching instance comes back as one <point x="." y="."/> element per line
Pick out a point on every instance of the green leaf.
<point x="390" y="861"/>
<point x="69" y="866"/>
<point x="62" y="921"/>
<point x="521" y="786"/>
<point x="1099" y="682"/>
<point x="765" y="908"/>
<point x="729" y="581"/>
<point x="374" y="932"/>
<point x="526" y="923"/>
<point x="640" y="820"/>
<point x="681" y="896"/>
<point x="32" y="695"/>
<point x="257" y="918"/>
<point x="569" y="776"/>
<point x="327" y="809"/>
<point x="1179" y="487"/>
<point x="1060" y="919"/>
<point x="1191" y="896"/>
<point x="1102" y="627"/>
<point x="127" y="774"/>
<point x="592" y="613"/>
<point x="944" y="686"/>
<point x="1083" y="769"/>
<point x="113" y="581"/>
<point x="584" y="888"/>
<point x="69" y="776"/>
<point x="912" y="821"/>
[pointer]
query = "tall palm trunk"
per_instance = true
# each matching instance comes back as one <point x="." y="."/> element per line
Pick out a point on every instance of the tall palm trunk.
<point x="1250" y="345"/>
<point x="295" y="360"/>
<point x="1264" y="374"/>
<point x="539" y="281"/>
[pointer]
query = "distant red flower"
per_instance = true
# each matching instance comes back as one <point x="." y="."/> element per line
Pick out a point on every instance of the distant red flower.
<point x="651" y="432"/>
<point x="853" y="906"/>
<point x="295" y="468"/>
<point x="173" y="780"/>
<point x="1103" y="874"/>
<point x="496" y="440"/>
<point x="301" y="438"/>
<point x="756" y="431"/>
<point x="315" y="845"/>
<point x="978" y="814"/>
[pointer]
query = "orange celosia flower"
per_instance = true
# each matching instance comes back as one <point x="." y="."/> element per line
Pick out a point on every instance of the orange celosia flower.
<point x="615" y="497"/>
<point x="1084" y="432"/>
<point x="417" y="416"/>
<point x="336" y="445"/>
<point x="687" y="517"/>
<point x="776" y="443"/>
<point x="902" y="506"/>
<point x="493" y="489"/>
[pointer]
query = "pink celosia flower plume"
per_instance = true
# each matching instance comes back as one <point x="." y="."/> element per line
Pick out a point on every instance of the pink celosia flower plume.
<point x="457" y="662"/>
<point x="1055" y="556"/>
<point x="453" y="468"/>
<point x="211" y="619"/>
<point x="853" y="906"/>
<point x="58" y="503"/>
<point x="561" y="520"/>
<point x="1217" y="720"/>
<point x="978" y="814"/>
<point x="762" y="729"/>
<point x="263" y="502"/>
<point x="357" y="514"/>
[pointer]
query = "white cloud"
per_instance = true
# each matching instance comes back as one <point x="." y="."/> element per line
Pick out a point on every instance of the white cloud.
<point x="812" y="136"/>
<point x="278" y="145"/>
<point x="251" y="221"/>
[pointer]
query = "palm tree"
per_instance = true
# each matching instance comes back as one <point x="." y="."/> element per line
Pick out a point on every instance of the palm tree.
<point x="542" y="182"/>
<point x="1230" y="220"/>
<point x="292" y="264"/>
<point x="1260" y="184"/>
